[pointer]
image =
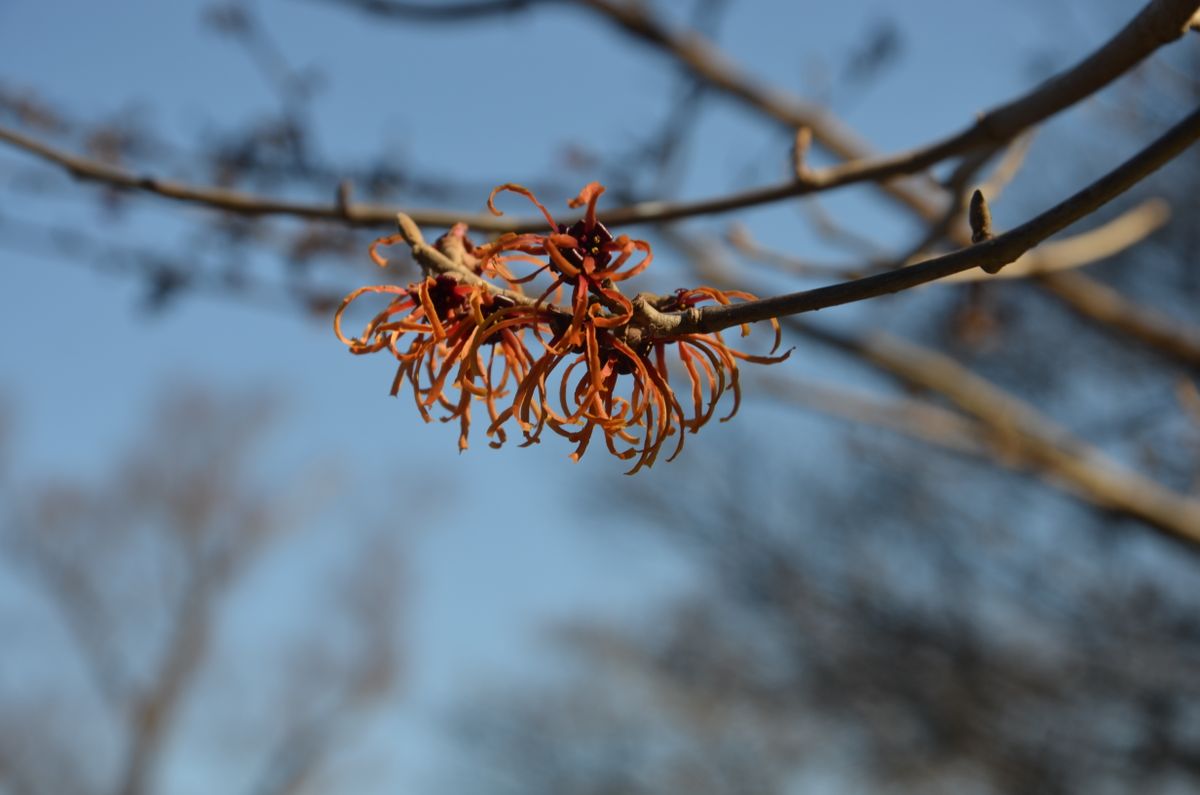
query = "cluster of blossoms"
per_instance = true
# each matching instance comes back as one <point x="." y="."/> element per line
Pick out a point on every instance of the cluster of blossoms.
<point x="573" y="359"/>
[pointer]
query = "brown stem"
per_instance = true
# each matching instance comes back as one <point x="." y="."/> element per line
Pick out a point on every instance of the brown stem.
<point x="996" y="252"/>
<point x="1160" y="22"/>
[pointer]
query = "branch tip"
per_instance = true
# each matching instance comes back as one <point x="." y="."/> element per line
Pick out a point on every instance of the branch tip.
<point x="980" y="218"/>
<point x="409" y="230"/>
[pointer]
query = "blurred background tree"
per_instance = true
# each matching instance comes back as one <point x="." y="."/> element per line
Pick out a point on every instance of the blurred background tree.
<point x="949" y="546"/>
<point x="127" y="619"/>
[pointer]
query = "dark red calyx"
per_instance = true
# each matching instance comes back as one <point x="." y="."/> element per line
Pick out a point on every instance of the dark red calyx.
<point x="593" y="242"/>
<point x="447" y="294"/>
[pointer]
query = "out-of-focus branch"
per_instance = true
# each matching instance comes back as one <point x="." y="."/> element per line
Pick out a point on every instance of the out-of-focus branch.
<point x="75" y="601"/>
<point x="153" y="713"/>
<point x="1023" y="436"/>
<point x="1105" y="305"/>
<point x="1010" y="163"/>
<point x="1189" y="398"/>
<point x="911" y="417"/>
<point x="840" y="234"/>
<point x="740" y="239"/>
<point x="166" y="276"/>
<point x="371" y="593"/>
<point x="296" y="759"/>
<point x="994" y="253"/>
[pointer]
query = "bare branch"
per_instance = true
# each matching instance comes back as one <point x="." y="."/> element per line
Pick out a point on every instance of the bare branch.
<point x="998" y="251"/>
<point x="1106" y="240"/>
<point x="222" y="198"/>
<point x="153" y="713"/>
<point x="1010" y="163"/>
<point x="434" y="260"/>
<point x="439" y="12"/>
<point x="739" y="238"/>
<point x="1018" y="430"/>
<point x="800" y="147"/>
<point x="1160" y="22"/>
<point x="1016" y="433"/>
<point x="1105" y="305"/>
<point x="911" y="417"/>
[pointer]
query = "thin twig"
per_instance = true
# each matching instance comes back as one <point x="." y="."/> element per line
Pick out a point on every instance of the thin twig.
<point x="222" y="198"/>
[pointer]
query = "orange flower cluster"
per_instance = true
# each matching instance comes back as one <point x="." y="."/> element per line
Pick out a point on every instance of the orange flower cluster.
<point x="564" y="363"/>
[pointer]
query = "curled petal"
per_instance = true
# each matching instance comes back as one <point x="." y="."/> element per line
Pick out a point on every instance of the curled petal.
<point x="373" y="249"/>
<point x="513" y="187"/>
<point x="589" y="195"/>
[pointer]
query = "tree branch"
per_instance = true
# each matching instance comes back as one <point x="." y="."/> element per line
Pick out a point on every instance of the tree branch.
<point x="233" y="201"/>
<point x="996" y="252"/>
<point x="1028" y="439"/>
<point x="153" y="713"/>
<point x="1105" y="305"/>
<point x="1106" y="240"/>
<point x="1159" y="22"/>
<point x="1017" y="434"/>
<point x="912" y="417"/>
<point x="438" y="11"/>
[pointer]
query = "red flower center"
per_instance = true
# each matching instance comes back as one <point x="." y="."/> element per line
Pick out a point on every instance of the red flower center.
<point x="447" y="294"/>
<point x="593" y="242"/>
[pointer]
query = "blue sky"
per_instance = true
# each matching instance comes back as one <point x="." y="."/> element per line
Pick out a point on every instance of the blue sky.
<point x="512" y="539"/>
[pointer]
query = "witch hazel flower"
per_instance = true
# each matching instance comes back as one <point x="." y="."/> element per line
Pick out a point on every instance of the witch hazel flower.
<point x="571" y="355"/>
